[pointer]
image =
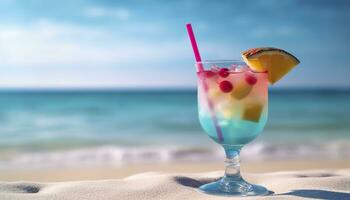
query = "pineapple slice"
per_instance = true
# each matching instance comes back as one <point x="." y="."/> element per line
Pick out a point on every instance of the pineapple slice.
<point x="276" y="62"/>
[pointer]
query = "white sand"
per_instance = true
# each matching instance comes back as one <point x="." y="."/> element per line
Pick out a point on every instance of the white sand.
<point x="313" y="184"/>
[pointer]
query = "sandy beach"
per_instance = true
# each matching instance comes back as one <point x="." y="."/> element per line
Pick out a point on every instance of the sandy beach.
<point x="285" y="179"/>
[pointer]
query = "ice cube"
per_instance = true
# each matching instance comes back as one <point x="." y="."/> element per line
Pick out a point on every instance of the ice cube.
<point x="215" y="68"/>
<point x="226" y="107"/>
<point x="223" y="103"/>
<point x="233" y="67"/>
<point x="214" y="92"/>
<point x="229" y="112"/>
<point x="242" y="68"/>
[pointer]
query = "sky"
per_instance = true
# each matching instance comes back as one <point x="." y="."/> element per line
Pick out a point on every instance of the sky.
<point x="143" y="43"/>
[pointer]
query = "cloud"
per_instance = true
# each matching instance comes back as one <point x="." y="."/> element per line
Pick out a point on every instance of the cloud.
<point x="101" y="12"/>
<point x="45" y="44"/>
<point x="51" y="54"/>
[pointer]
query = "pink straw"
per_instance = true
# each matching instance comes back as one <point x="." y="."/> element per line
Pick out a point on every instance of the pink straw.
<point x="205" y="86"/>
<point x="194" y="47"/>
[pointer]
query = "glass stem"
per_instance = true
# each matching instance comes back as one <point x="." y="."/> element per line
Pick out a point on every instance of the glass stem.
<point x="232" y="180"/>
<point x="232" y="170"/>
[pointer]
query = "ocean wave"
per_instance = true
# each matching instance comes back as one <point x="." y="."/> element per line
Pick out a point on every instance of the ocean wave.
<point x="119" y="156"/>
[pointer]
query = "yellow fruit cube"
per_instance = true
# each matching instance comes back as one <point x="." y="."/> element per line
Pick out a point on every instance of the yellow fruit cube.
<point x="241" y="90"/>
<point x="252" y="112"/>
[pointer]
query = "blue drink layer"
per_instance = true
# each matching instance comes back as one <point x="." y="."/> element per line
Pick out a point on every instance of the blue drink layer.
<point x="235" y="132"/>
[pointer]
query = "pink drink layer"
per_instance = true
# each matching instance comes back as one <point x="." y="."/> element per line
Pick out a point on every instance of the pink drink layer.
<point x="239" y="101"/>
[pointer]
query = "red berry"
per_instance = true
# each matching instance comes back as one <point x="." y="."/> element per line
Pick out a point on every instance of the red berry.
<point x="250" y="79"/>
<point x="226" y="86"/>
<point x="224" y="72"/>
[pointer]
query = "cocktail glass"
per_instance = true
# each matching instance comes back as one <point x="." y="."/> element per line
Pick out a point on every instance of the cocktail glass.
<point x="232" y="106"/>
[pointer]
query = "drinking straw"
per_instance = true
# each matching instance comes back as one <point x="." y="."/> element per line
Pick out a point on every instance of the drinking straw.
<point x="200" y="68"/>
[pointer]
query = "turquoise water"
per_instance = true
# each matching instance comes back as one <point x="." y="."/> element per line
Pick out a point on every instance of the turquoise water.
<point x="161" y="125"/>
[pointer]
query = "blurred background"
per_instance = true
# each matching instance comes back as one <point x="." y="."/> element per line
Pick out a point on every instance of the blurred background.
<point x="113" y="83"/>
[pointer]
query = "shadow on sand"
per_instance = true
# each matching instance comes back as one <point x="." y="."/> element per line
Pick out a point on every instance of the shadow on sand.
<point x="307" y="193"/>
<point x="190" y="182"/>
<point x="318" y="194"/>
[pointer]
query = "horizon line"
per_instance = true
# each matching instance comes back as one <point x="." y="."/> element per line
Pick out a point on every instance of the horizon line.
<point x="281" y="88"/>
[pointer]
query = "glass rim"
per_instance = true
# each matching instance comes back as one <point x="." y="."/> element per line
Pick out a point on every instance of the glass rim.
<point x="221" y="61"/>
<point x="224" y="61"/>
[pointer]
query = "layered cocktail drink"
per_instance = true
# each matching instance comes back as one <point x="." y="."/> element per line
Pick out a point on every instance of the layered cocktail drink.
<point x="232" y="107"/>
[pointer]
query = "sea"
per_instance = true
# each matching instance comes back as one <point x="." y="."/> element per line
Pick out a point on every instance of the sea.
<point x="65" y="128"/>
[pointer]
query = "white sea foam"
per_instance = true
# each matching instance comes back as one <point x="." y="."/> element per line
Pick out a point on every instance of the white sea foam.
<point x="118" y="156"/>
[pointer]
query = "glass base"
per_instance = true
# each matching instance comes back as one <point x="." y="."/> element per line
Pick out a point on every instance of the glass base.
<point x="228" y="187"/>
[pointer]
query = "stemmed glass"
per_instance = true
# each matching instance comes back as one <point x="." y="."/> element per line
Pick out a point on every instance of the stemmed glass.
<point x="232" y="107"/>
